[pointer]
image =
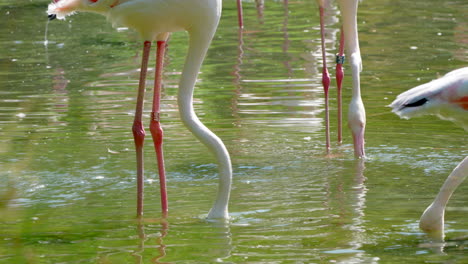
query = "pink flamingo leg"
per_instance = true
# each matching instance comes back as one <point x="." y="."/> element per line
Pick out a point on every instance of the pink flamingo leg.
<point x="155" y="125"/>
<point x="138" y="130"/>
<point x="240" y="16"/>
<point x="325" y="79"/>
<point x="339" y="79"/>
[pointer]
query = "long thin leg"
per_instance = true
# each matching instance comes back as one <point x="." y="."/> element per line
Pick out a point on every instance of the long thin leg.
<point x="325" y="78"/>
<point x="240" y="16"/>
<point x="340" y="58"/>
<point x="138" y="130"/>
<point x="155" y="125"/>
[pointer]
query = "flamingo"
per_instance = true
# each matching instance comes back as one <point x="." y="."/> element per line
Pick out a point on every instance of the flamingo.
<point x="446" y="97"/>
<point x="348" y="40"/>
<point x="154" y="20"/>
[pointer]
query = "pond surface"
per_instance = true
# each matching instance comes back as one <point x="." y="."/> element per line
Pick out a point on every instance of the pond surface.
<point x="67" y="165"/>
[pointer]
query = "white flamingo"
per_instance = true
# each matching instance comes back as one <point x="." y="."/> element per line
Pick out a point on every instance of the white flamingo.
<point x="155" y="20"/>
<point x="350" y="40"/>
<point x="446" y="97"/>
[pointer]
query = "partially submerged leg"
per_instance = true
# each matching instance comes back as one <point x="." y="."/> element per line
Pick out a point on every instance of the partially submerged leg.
<point x="155" y="125"/>
<point x="325" y="78"/>
<point x="138" y="130"/>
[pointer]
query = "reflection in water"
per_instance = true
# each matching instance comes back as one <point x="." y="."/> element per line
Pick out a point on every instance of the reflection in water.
<point x="461" y="38"/>
<point x="297" y="101"/>
<point x="223" y="241"/>
<point x="141" y="246"/>
<point x="260" y="6"/>
<point x="214" y="243"/>
<point x="237" y="78"/>
<point x="353" y="222"/>
<point x="358" y="223"/>
<point x="286" y="42"/>
<point x="161" y="247"/>
<point x="314" y="58"/>
<point x="59" y="88"/>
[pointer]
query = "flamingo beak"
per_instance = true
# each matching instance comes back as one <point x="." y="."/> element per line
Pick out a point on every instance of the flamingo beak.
<point x="358" y="138"/>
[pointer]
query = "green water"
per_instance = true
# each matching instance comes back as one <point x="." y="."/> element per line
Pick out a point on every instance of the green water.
<point x="67" y="165"/>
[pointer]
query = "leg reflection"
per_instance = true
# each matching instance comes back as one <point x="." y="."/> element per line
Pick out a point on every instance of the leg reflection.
<point x="143" y="238"/>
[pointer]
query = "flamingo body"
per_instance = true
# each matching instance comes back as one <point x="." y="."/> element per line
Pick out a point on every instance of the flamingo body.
<point x="155" y="20"/>
<point x="446" y="97"/>
<point x="149" y="18"/>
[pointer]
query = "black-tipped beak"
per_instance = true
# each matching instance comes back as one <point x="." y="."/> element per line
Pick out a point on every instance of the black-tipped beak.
<point x="52" y="17"/>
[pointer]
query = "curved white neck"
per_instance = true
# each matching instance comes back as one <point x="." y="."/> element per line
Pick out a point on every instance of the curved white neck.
<point x="199" y="42"/>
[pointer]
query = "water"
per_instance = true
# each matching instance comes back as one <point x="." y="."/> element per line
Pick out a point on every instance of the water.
<point x="67" y="157"/>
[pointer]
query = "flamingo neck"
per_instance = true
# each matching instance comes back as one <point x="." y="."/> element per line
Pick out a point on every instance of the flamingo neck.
<point x="198" y="47"/>
<point x="455" y="178"/>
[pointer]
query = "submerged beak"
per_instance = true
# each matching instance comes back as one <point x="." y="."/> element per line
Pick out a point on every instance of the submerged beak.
<point x="52" y="16"/>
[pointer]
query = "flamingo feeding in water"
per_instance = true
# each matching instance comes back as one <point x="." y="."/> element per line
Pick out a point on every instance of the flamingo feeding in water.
<point x="447" y="98"/>
<point x="349" y="40"/>
<point x="154" y="20"/>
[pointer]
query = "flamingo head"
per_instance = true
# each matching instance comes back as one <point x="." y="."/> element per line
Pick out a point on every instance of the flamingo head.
<point x="432" y="220"/>
<point x="62" y="8"/>
<point x="357" y="124"/>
